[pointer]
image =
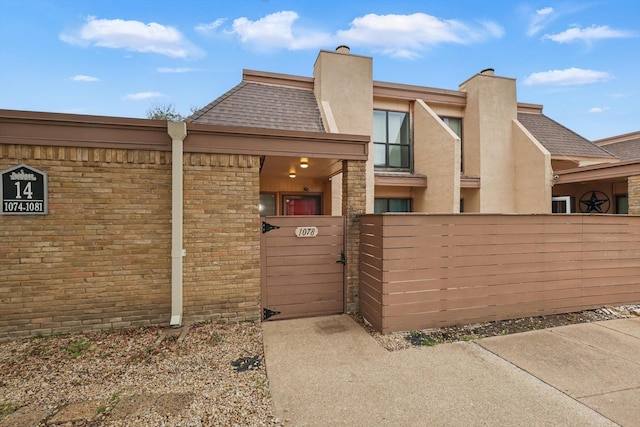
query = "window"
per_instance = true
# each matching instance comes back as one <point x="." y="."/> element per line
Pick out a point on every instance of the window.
<point x="392" y="147"/>
<point x="455" y="124"/>
<point x="392" y="205"/>
<point x="622" y="204"/>
<point x="267" y="204"/>
<point x="561" y="204"/>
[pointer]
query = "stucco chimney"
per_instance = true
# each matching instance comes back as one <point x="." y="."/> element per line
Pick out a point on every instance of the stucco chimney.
<point x="343" y="49"/>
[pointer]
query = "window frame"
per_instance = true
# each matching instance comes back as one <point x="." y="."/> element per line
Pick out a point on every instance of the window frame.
<point x="387" y="144"/>
<point x="557" y="200"/>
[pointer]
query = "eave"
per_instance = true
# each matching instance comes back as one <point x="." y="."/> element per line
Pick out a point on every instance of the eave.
<point x="599" y="172"/>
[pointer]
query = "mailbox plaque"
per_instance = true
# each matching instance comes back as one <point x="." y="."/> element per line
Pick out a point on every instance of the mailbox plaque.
<point x="306" y="232"/>
<point x="24" y="191"/>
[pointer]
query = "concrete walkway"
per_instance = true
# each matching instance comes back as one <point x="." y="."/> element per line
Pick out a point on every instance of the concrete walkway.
<point x="329" y="372"/>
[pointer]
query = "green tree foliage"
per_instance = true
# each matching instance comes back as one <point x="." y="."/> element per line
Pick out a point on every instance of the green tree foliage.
<point x="164" y="112"/>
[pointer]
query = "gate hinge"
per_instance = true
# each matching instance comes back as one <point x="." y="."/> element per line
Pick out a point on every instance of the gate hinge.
<point x="266" y="313"/>
<point x="266" y="227"/>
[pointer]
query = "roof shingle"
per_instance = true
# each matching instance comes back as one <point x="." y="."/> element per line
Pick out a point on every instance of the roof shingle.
<point x="558" y="139"/>
<point x="260" y="105"/>
<point x="626" y="150"/>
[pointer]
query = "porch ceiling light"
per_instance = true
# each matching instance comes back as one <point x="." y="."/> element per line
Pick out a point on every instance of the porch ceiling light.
<point x="304" y="163"/>
<point x="292" y="174"/>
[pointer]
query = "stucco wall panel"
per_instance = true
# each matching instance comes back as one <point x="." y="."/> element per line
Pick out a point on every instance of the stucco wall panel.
<point x="488" y="144"/>
<point x="532" y="173"/>
<point x="436" y="155"/>
<point x="345" y="82"/>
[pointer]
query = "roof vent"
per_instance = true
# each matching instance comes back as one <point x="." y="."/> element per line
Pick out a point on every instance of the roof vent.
<point x="487" y="71"/>
<point x="343" y="49"/>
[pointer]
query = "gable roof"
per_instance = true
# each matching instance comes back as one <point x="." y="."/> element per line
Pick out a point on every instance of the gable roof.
<point x="259" y="105"/>
<point x="559" y="140"/>
<point x="626" y="146"/>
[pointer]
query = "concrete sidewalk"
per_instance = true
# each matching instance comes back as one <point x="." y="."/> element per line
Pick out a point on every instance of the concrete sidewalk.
<point x="329" y="372"/>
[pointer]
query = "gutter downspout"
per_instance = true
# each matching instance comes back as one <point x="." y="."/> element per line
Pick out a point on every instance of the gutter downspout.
<point x="178" y="132"/>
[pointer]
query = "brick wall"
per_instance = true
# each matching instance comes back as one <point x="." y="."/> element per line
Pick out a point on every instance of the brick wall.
<point x="221" y="237"/>
<point x="101" y="258"/>
<point x="353" y="205"/>
<point x="633" y="190"/>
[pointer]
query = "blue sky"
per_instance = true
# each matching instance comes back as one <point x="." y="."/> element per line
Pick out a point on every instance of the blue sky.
<point x="580" y="59"/>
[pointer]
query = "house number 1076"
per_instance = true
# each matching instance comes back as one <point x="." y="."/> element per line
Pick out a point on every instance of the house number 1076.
<point x="26" y="191"/>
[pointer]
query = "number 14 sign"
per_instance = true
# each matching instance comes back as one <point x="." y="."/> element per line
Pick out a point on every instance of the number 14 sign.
<point x="23" y="191"/>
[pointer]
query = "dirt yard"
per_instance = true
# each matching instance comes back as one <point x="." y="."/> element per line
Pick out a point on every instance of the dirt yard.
<point x="203" y="375"/>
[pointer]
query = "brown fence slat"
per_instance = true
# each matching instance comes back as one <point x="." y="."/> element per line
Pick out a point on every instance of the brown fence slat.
<point x="420" y="270"/>
<point x="300" y="275"/>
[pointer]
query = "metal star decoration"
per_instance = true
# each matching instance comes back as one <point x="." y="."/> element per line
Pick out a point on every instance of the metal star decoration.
<point x="593" y="203"/>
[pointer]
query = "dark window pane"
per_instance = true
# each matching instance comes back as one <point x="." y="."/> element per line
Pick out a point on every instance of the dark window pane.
<point x="383" y="205"/>
<point x="455" y="124"/>
<point x="267" y="204"/>
<point x="379" y="126"/>
<point x="379" y="154"/>
<point x="398" y="205"/>
<point x="391" y="136"/>
<point x="395" y="156"/>
<point x="622" y="205"/>
<point x="380" y="206"/>
<point x="398" y="124"/>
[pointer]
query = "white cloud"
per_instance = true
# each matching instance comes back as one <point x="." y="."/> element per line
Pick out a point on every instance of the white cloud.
<point x="569" y="76"/>
<point x="588" y="34"/>
<point x="540" y="19"/>
<point x="133" y="36"/>
<point x="395" y="35"/>
<point x="277" y="31"/>
<point x="212" y="26"/>
<point x="598" y="109"/>
<point x="175" y="70"/>
<point x="83" y="78"/>
<point x="408" y="35"/>
<point x="140" y="96"/>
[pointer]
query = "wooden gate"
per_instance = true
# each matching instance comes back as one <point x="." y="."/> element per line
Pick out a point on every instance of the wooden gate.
<point x="302" y="266"/>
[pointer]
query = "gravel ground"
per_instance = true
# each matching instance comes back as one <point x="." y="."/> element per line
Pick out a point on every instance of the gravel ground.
<point x="127" y="378"/>
<point x="402" y="340"/>
<point x="205" y="375"/>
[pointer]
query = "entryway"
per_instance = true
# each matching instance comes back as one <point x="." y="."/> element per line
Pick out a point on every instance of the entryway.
<point x="302" y="266"/>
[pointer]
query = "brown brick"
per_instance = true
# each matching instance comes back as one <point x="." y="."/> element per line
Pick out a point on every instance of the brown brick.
<point x="102" y="256"/>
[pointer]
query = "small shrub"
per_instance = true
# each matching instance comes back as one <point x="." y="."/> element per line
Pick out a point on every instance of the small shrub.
<point x="76" y="348"/>
<point x="217" y="338"/>
<point x="7" y="408"/>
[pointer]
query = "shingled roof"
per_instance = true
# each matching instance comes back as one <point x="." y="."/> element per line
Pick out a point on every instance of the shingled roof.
<point x="558" y="139"/>
<point x="259" y="105"/>
<point x="626" y="150"/>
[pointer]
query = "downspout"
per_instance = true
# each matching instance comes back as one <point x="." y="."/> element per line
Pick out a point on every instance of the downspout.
<point x="178" y="132"/>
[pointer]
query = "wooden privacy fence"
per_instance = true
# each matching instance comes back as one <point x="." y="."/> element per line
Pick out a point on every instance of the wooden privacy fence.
<point x="427" y="270"/>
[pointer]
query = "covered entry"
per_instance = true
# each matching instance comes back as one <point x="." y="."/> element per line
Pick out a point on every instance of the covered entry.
<point x="302" y="263"/>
